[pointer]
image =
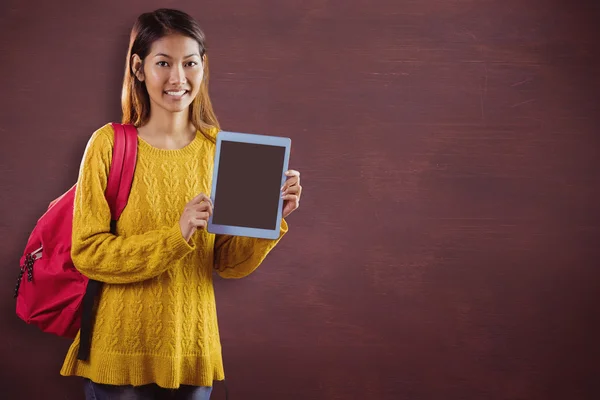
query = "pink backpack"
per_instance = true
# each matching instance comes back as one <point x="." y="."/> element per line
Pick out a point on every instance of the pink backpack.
<point x="51" y="293"/>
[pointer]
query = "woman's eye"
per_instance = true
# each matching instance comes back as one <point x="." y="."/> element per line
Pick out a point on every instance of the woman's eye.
<point x="192" y="63"/>
<point x="162" y="64"/>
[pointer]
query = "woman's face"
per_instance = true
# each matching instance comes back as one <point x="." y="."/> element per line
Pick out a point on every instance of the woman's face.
<point x="172" y="72"/>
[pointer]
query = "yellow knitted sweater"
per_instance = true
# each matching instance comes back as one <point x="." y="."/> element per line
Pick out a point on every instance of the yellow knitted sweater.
<point x="156" y="318"/>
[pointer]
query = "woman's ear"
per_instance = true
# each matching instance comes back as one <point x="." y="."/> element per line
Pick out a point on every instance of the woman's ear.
<point x="136" y="67"/>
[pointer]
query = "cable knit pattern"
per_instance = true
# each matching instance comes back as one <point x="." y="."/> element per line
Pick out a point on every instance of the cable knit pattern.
<point x="156" y="319"/>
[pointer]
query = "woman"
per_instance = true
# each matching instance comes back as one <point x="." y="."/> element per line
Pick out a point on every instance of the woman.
<point x="155" y="331"/>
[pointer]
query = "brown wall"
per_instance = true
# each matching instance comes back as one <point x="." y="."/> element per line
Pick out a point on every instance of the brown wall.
<point x="447" y="242"/>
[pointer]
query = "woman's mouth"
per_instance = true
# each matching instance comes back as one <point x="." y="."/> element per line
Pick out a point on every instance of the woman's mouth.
<point x="176" y="94"/>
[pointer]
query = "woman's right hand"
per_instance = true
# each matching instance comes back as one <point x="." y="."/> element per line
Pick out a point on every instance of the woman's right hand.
<point x="195" y="215"/>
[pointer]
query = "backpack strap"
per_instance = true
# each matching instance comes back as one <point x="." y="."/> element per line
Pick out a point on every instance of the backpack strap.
<point x="128" y="170"/>
<point x="121" y="171"/>
<point x="120" y="178"/>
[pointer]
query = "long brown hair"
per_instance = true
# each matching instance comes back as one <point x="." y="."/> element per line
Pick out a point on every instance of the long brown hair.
<point x="135" y="101"/>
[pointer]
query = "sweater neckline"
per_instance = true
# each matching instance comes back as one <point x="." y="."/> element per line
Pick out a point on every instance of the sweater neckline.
<point x="188" y="149"/>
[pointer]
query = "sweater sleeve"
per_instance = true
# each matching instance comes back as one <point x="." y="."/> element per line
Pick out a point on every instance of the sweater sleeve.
<point x="238" y="256"/>
<point x="95" y="251"/>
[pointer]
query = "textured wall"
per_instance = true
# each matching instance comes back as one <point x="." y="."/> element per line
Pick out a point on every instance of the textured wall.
<point x="447" y="242"/>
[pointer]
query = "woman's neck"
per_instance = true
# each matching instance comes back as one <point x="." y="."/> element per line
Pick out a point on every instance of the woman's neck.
<point x="163" y="122"/>
<point x="168" y="130"/>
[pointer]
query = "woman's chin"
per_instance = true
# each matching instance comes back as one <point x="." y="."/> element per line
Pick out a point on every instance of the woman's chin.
<point x="175" y="108"/>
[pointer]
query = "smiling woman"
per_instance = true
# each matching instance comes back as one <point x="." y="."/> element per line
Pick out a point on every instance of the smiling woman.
<point x="155" y="330"/>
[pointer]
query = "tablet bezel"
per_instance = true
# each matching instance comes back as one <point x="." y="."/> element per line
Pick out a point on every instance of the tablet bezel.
<point x="255" y="139"/>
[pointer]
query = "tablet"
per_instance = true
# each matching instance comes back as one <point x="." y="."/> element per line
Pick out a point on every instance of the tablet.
<point x="249" y="171"/>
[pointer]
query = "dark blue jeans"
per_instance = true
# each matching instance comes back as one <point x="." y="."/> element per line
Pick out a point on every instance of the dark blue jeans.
<point x="97" y="391"/>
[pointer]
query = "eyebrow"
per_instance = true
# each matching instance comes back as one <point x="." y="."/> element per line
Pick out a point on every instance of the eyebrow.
<point x="168" y="56"/>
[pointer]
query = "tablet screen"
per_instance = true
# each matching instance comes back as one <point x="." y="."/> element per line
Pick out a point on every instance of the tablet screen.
<point x="249" y="185"/>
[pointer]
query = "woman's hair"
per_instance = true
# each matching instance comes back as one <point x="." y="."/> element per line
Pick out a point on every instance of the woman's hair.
<point x="135" y="100"/>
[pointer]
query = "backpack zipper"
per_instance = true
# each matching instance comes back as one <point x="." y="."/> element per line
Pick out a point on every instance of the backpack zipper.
<point x="30" y="259"/>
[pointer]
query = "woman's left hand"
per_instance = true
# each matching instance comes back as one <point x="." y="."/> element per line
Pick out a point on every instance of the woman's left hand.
<point x="291" y="192"/>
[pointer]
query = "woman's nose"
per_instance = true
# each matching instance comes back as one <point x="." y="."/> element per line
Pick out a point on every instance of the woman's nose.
<point x="177" y="76"/>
